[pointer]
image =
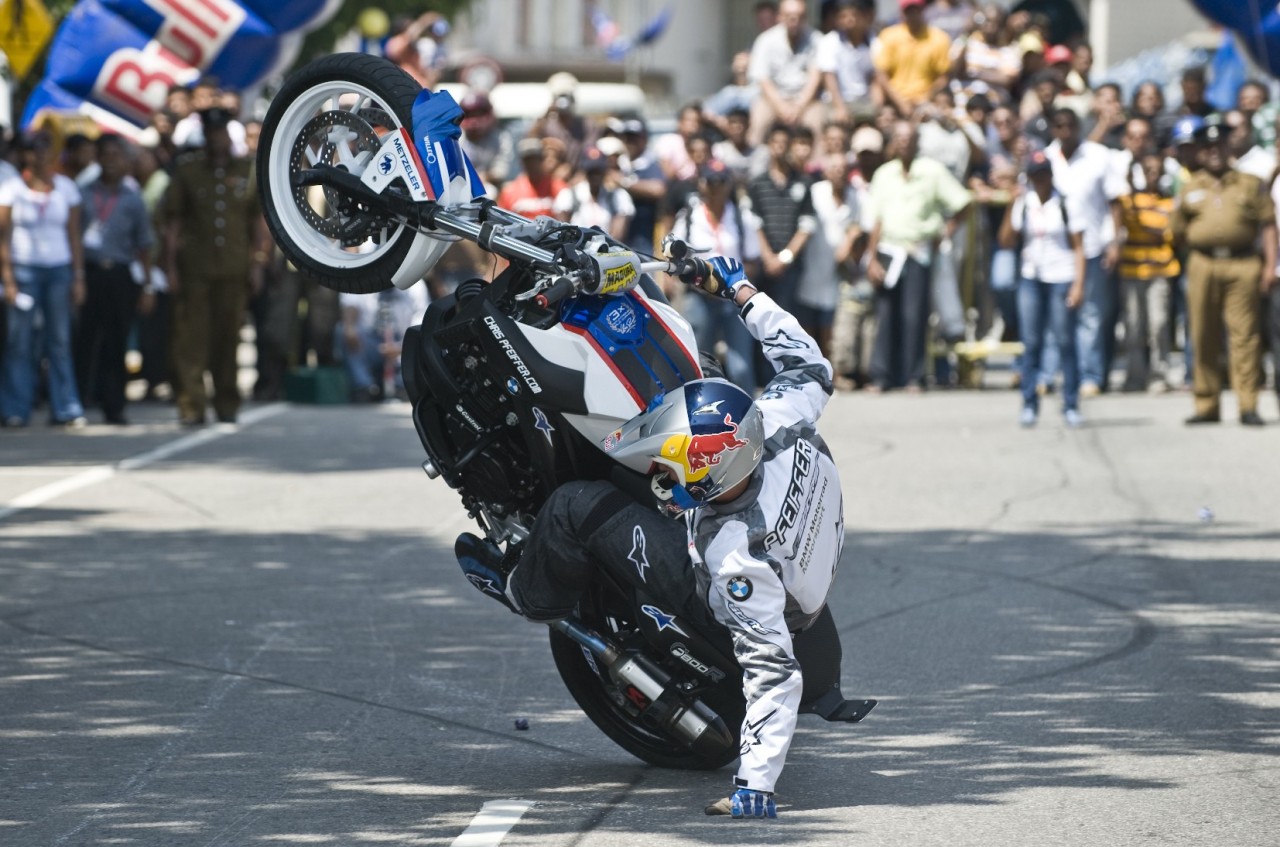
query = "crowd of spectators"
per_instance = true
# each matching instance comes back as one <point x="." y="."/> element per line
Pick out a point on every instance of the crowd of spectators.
<point x="916" y="191"/>
<point x="863" y="170"/>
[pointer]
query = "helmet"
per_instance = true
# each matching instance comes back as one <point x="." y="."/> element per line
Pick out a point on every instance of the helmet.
<point x="698" y="441"/>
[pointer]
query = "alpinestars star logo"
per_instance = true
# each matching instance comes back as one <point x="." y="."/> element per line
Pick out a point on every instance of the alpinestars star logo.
<point x="541" y="423"/>
<point x="637" y="556"/>
<point x="708" y="409"/>
<point x="751" y="733"/>
<point x="782" y="341"/>
<point x="486" y="585"/>
<point x="662" y="619"/>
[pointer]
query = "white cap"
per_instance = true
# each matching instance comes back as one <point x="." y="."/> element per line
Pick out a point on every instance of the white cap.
<point x="562" y="83"/>
<point x="867" y="140"/>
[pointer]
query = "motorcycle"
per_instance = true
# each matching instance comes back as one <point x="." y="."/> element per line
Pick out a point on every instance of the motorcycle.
<point x="517" y="384"/>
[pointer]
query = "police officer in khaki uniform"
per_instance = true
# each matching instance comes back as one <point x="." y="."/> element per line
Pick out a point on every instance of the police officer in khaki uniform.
<point x="1219" y="217"/>
<point x="216" y="246"/>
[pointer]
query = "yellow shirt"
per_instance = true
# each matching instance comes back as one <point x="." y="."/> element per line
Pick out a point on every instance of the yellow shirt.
<point x="912" y="64"/>
<point x="1148" y="250"/>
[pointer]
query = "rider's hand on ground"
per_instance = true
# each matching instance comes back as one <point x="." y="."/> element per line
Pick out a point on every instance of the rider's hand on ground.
<point x="745" y="803"/>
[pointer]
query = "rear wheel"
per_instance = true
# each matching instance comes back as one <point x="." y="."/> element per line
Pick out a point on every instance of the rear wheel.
<point x="617" y="718"/>
<point x="335" y="111"/>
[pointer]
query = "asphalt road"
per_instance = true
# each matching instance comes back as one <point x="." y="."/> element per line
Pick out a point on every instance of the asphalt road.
<point x="258" y="636"/>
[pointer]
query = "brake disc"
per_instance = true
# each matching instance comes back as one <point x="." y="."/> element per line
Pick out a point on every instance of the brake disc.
<point x="344" y="140"/>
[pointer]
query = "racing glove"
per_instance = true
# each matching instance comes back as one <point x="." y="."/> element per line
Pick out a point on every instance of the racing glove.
<point x="745" y="803"/>
<point x="717" y="276"/>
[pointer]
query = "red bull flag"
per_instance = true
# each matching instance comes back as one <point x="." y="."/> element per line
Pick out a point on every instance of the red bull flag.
<point x="115" y="60"/>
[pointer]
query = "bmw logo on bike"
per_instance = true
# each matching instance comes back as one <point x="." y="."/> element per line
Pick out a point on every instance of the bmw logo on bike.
<point x="740" y="588"/>
<point x="386" y="164"/>
<point x="513" y="387"/>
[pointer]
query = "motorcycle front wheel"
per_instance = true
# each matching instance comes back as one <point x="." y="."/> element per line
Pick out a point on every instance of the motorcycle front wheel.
<point x="335" y="111"/>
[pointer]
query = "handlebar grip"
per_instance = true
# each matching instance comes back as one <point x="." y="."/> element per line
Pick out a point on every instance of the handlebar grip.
<point x="697" y="272"/>
<point x="558" y="290"/>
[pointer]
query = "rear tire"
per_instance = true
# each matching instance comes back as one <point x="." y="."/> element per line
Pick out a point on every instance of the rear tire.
<point x="360" y="97"/>
<point x="624" y="730"/>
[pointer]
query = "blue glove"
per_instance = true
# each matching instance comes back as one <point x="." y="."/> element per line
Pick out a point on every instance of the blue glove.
<point x="718" y="276"/>
<point x="746" y="803"/>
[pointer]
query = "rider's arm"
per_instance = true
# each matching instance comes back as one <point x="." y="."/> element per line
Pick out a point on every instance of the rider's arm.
<point x="771" y="678"/>
<point x="802" y="384"/>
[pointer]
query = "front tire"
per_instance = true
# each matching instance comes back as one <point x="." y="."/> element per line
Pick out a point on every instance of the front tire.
<point x="334" y="111"/>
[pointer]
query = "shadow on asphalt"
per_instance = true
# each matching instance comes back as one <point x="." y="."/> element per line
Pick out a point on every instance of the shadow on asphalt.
<point x="306" y="439"/>
<point x="281" y="685"/>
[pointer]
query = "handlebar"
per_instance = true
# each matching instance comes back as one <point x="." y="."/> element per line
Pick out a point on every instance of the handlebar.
<point x="507" y="234"/>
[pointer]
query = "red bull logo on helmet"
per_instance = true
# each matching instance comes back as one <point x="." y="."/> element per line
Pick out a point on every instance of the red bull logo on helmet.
<point x="697" y="454"/>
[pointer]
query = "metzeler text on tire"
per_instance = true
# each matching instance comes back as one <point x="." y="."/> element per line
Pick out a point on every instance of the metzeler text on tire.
<point x="335" y="111"/>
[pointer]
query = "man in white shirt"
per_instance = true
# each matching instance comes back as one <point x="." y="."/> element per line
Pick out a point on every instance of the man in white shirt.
<point x="781" y="64"/>
<point x="1085" y="174"/>
<point x="597" y="200"/>
<point x="844" y="61"/>
<point x="1249" y="156"/>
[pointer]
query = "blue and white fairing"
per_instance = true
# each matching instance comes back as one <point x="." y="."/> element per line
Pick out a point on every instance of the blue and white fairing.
<point x="431" y="163"/>
<point x="630" y="350"/>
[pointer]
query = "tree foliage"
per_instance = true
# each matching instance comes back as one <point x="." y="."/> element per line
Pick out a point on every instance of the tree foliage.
<point x="322" y="40"/>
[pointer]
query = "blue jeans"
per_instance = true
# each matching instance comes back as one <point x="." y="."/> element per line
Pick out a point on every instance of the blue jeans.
<point x="1042" y="306"/>
<point x="1096" y="316"/>
<point x="51" y="290"/>
<point x="1004" y="285"/>
<point x="715" y="319"/>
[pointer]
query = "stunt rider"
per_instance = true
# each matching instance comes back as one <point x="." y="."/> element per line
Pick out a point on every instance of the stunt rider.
<point x="762" y="535"/>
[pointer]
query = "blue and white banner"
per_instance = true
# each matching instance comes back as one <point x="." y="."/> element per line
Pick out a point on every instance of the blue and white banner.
<point x="1256" y="22"/>
<point x="117" y="59"/>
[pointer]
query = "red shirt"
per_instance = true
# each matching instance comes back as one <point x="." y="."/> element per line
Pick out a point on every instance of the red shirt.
<point x="524" y="197"/>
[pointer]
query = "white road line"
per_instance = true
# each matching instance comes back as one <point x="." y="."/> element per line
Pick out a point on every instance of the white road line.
<point x="493" y="823"/>
<point x="90" y="476"/>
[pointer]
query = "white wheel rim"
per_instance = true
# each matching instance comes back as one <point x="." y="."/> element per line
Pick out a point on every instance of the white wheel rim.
<point x="333" y="95"/>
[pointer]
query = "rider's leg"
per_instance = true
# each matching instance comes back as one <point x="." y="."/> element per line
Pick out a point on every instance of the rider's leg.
<point x="585" y="525"/>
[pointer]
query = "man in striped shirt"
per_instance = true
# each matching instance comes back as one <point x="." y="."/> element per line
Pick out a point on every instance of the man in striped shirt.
<point x="1148" y="267"/>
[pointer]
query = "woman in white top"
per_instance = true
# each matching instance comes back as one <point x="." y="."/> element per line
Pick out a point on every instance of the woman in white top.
<point x="42" y="266"/>
<point x="1052" y="283"/>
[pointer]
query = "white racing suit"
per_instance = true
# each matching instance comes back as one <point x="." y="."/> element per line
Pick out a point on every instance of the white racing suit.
<point x="762" y="564"/>
<point x="771" y="554"/>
